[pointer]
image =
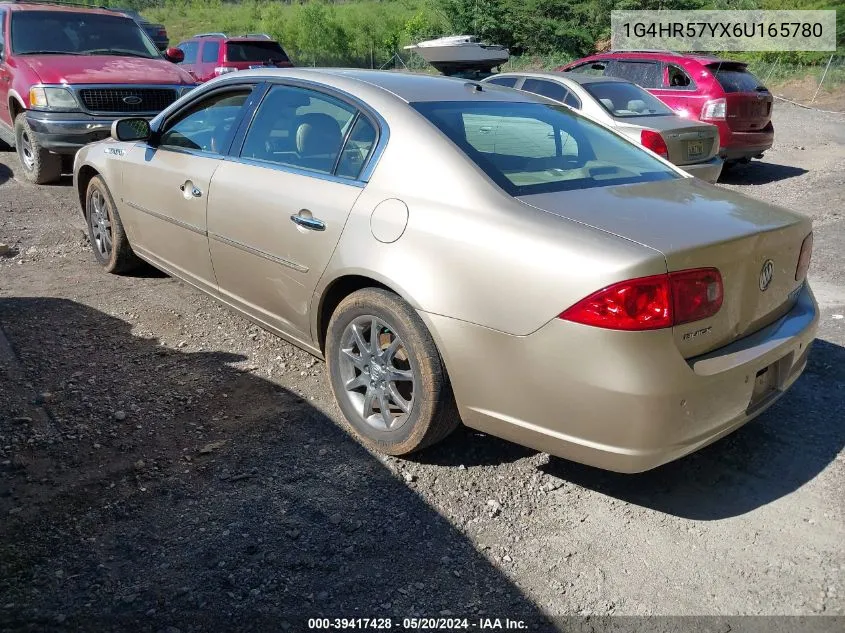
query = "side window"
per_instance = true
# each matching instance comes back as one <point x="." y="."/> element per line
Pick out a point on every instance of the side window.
<point x="572" y="101"/>
<point x="645" y="74"/>
<point x="301" y="128"/>
<point x="679" y="79"/>
<point x="507" y="82"/>
<point x="208" y="125"/>
<point x="545" y="88"/>
<point x="190" y="50"/>
<point x="2" y="34"/>
<point x="210" y="51"/>
<point x="596" y="68"/>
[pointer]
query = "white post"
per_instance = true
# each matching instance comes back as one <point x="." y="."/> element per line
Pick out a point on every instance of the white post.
<point x="824" y="74"/>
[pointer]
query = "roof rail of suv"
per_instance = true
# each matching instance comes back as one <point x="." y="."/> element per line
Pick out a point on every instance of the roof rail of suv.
<point x="69" y="3"/>
<point x="262" y="36"/>
<point x="223" y="35"/>
<point x="648" y="50"/>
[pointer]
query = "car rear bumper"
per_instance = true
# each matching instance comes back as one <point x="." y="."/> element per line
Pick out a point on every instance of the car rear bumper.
<point x="742" y="145"/>
<point x="66" y="132"/>
<point x="708" y="171"/>
<point x="622" y="401"/>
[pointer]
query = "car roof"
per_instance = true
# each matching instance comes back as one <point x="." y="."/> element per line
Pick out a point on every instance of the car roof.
<point x="579" y="78"/>
<point x="409" y="87"/>
<point x="701" y="58"/>
<point x="41" y="6"/>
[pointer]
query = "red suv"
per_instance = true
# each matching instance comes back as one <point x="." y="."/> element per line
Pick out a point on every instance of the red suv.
<point x="209" y="55"/>
<point x="67" y="72"/>
<point x="698" y="87"/>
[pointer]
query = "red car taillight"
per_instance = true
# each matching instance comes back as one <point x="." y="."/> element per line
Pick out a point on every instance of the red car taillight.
<point x="652" y="303"/>
<point x="804" y="258"/>
<point x="653" y="141"/>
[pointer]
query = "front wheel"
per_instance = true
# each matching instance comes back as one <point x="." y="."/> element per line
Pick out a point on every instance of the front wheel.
<point x="387" y="375"/>
<point x="39" y="166"/>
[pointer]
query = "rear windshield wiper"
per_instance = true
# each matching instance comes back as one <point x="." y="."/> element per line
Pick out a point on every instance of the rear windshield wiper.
<point x="50" y="53"/>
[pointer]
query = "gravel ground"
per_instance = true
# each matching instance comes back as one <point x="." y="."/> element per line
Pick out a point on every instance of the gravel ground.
<point x="167" y="466"/>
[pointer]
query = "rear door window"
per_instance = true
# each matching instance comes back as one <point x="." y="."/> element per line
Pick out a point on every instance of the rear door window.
<point x="646" y="74"/>
<point x="545" y="88"/>
<point x="210" y="52"/>
<point x="190" y="50"/>
<point x="736" y="79"/>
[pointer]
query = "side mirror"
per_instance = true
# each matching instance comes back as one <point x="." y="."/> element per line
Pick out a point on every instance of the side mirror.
<point x="131" y="130"/>
<point x="175" y="55"/>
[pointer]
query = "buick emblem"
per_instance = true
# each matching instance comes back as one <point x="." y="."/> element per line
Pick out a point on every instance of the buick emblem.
<point x="766" y="274"/>
<point x="132" y="100"/>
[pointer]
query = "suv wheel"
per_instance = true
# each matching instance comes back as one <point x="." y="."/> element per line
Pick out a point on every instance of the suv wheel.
<point x="387" y="375"/>
<point x="39" y="165"/>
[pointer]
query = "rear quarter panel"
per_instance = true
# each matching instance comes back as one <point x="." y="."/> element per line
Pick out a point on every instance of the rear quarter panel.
<point x="469" y="251"/>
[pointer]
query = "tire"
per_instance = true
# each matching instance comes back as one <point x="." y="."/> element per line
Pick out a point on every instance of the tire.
<point x="39" y="165"/>
<point x="105" y="230"/>
<point x="431" y="412"/>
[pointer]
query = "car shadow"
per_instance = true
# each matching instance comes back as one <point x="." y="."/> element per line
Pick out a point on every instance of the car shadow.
<point x="5" y="173"/>
<point x="467" y="447"/>
<point x="758" y="173"/>
<point x="146" y="488"/>
<point x="782" y="450"/>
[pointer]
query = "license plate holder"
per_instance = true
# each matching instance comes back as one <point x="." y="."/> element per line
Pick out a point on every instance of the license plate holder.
<point x="765" y="385"/>
<point x="695" y="149"/>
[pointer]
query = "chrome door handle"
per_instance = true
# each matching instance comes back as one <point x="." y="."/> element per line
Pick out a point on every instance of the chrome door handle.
<point x="307" y="222"/>
<point x="195" y="192"/>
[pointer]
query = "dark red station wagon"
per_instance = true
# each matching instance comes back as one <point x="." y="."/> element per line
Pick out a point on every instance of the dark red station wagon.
<point x="698" y="87"/>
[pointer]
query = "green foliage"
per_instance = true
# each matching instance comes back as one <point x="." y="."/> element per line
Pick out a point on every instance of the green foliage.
<point x="369" y="32"/>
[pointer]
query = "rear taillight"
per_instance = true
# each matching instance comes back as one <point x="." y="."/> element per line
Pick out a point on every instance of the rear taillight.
<point x="222" y="70"/>
<point x="653" y="141"/>
<point x="804" y="258"/>
<point x="696" y="294"/>
<point x="715" y="110"/>
<point x="652" y="303"/>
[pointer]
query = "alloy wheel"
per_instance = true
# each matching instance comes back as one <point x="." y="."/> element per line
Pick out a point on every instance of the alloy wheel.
<point x="376" y="370"/>
<point x="101" y="230"/>
<point x="27" y="154"/>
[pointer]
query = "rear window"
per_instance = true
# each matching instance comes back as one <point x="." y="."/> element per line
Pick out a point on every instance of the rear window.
<point x="626" y="100"/>
<point x="529" y="148"/>
<point x="736" y="79"/>
<point x="264" y="51"/>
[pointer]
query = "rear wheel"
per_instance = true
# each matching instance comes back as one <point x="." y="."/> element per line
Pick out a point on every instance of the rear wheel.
<point x="105" y="230"/>
<point x="39" y="165"/>
<point x="387" y="375"/>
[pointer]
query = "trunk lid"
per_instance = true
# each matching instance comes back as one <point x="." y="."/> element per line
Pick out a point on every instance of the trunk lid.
<point x="696" y="225"/>
<point x="748" y="102"/>
<point x="688" y="142"/>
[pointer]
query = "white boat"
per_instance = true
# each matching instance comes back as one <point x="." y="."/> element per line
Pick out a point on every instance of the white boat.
<point x="458" y="53"/>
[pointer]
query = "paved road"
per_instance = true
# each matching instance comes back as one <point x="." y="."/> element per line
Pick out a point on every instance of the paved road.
<point x="164" y="463"/>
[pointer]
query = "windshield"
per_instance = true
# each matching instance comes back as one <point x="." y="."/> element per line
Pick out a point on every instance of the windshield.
<point x="625" y="100"/>
<point x="529" y="148"/>
<point x="265" y="51"/>
<point x="77" y="33"/>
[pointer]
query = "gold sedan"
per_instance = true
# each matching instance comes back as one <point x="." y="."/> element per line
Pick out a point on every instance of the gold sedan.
<point x="458" y="251"/>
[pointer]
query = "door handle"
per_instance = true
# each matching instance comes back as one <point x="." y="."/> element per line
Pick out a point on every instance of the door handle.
<point x="307" y="222"/>
<point x="189" y="189"/>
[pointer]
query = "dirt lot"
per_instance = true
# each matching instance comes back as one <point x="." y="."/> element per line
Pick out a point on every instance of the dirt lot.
<point x="167" y="466"/>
